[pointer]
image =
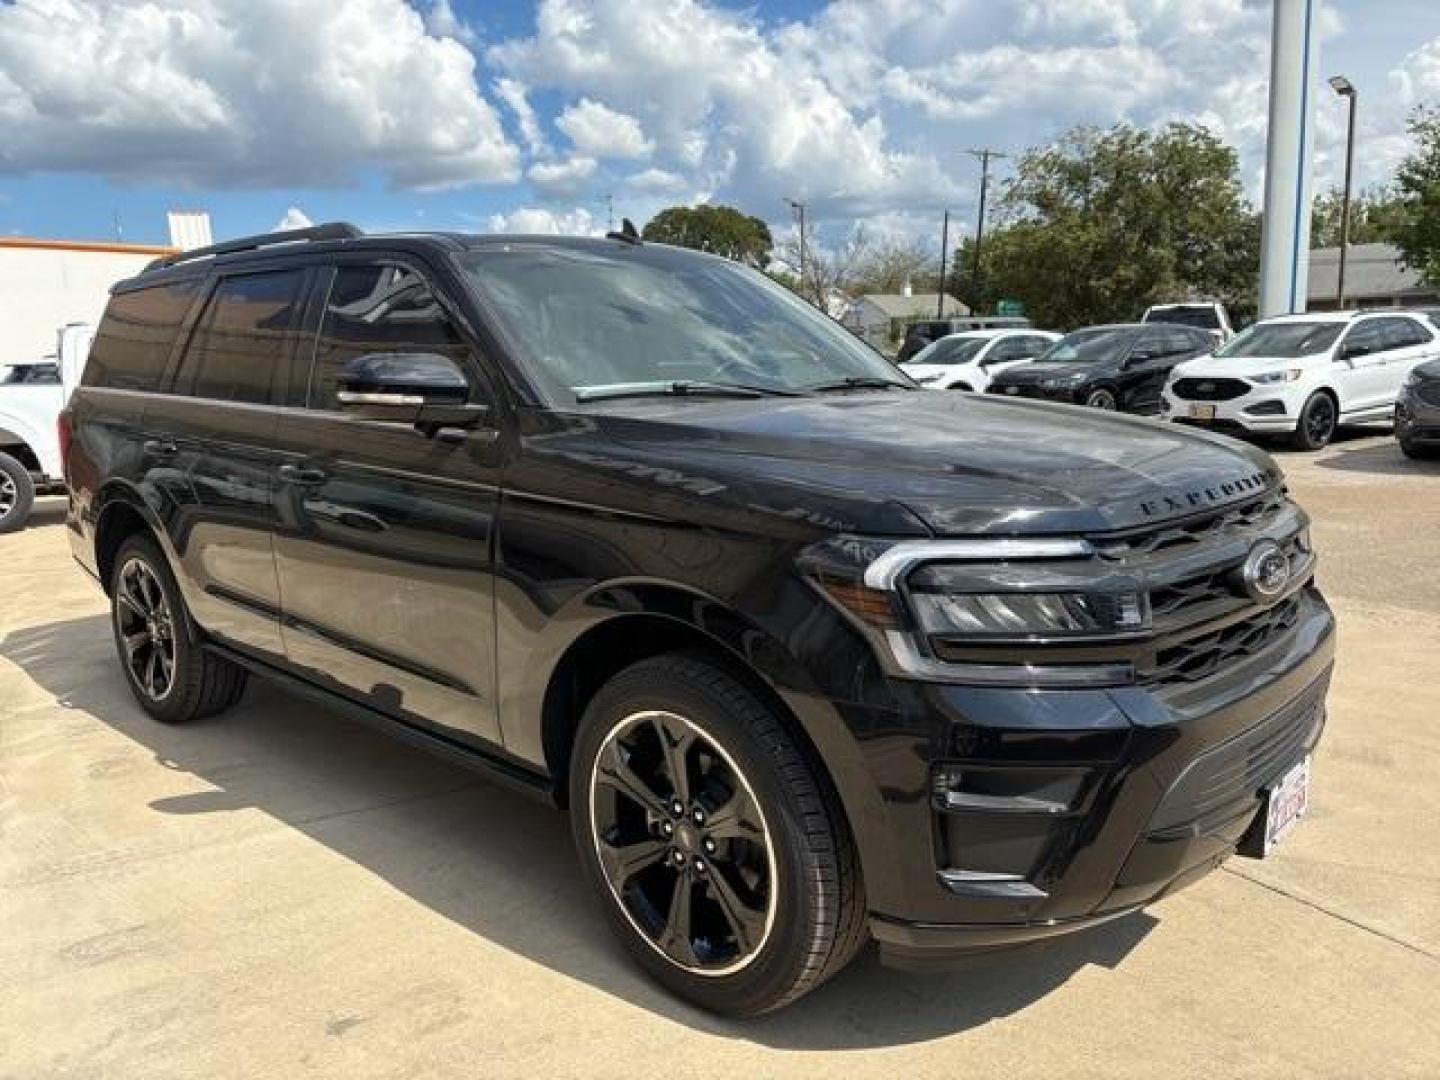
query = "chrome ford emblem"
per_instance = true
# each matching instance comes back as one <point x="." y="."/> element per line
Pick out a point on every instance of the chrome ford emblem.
<point x="1265" y="572"/>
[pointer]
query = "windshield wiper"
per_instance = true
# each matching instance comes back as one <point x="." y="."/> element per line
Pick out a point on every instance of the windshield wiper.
<point x="860" y="382"/>
<point x="680" y="388"/>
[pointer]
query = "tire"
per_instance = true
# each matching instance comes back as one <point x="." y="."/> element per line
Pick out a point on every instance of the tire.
<point x="806" y="916"/>
<point x="149" y="618"/>
<point x="1319" y="418"/>
<point x="17" y="494"/>
<point x="1102" y="398"/>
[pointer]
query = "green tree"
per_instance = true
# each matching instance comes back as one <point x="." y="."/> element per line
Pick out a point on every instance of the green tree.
<point x="1418" y="183"/>
<point x="1104" y="223"/>
<point x="721" y="230"/>
<point x="1376" y="216"/>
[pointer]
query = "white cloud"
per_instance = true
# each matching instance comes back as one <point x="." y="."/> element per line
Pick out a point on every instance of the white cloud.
<point x="531" y="219"/>
<point x="600" y="131"/>
<point x="441" y="21"/>
<point x="516" y="97"/>
<point x="293" y="218"/>
<point x="562" y="179"/>
<point x="232" y="93"/>
<point x="654" y="181"/>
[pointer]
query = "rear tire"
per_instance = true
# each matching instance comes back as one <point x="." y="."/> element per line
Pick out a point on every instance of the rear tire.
<point x="172" y="677"/>
<point x="17" y="494"/>
<point x="800" y="915"/>
<point x="1318" y="420"/>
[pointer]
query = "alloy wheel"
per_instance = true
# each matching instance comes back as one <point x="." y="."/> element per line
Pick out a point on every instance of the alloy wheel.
<point x="147" y="629"/>
<point x="682" y="843"/>
<point x="9" y="494"/>
<point x="1320" y="421"/>
<point x="1101" y="399"/>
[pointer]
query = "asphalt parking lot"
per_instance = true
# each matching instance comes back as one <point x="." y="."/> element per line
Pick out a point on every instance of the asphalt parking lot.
<point x="279" y="892"/>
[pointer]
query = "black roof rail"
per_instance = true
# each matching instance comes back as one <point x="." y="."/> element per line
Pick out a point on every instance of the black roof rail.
<point x="333" y="230"/>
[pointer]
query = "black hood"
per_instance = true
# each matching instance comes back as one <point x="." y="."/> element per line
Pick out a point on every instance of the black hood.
<point x="961" y="464"/>
<point x="1029" y="374"/>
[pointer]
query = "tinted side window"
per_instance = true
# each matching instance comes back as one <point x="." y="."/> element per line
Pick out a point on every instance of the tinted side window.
<point x="245" y="332"/>
<point x="377" y="308"/>
<point x="135" y="336"/>
<point x="1365" y="338"/>
<point x="1403" y="333"/>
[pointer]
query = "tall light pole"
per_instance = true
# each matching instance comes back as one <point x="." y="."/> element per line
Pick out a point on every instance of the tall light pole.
<point x="799" y="208"/>
<point x="944" y="254"/>
<point x="985" y="157"/>
<point x="1346" y="89"/>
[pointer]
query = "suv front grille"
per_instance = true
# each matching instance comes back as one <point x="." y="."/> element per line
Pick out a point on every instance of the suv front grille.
<point x="1192" y="389"/>
<point x="1204" y="655"/>
<point x="1195" y="531"/>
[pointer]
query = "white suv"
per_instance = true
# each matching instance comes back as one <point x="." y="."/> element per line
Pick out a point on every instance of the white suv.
<point x="968" y="361"/>
<point x="1302" y="375"/>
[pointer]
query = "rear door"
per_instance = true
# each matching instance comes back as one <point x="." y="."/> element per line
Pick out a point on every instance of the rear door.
<point x="385" y="539"/>
<point x="210" y="452"/>
<point x="1149" y="364"/>
<point x="1363" y="366"/>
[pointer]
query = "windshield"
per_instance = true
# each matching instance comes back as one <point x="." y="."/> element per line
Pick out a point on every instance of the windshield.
<point x="1283" y="339"/>
<point x="606" y="318"/>
<point x="1203" y="317"/>
<point x="948" y="351"/>
<point x="1087" y="346"/>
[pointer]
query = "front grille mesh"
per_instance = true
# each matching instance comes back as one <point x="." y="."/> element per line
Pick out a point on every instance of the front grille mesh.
<point x="1198" y="531"/>
<point x="1202" y="656"/>
<point x="1210" y="389"/>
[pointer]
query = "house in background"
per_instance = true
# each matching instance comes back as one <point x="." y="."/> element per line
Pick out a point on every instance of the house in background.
<point x="1375" y="276"/>
<point x="881" y="318"/>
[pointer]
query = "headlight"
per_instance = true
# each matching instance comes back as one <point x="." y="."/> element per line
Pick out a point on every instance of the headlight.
<point x="1269" y="377"/>
<point x="943" y="607"/>
<point x="1059" y="381"/>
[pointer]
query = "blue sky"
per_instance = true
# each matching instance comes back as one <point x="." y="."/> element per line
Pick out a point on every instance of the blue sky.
<point x="405" y="114"/>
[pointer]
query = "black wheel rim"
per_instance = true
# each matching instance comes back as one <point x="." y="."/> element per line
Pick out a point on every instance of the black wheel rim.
<point x="1102" y="399"/>
<point x="683" y="843"/>
<point x="9" y="494"/>
<point x="1320" y="421"/>
<point x="147" y="630"/>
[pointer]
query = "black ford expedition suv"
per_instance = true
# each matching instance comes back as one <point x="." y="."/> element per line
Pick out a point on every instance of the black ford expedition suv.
<point x="808" y="654"/>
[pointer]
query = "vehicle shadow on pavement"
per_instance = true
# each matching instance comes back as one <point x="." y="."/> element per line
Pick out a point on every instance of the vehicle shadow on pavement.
<point x="501" y="865"/>
<point x="1377" y="458"/>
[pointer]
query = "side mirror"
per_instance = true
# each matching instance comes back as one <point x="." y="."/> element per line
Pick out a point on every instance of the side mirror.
<point x="1350" y="350"/>
<point x="424" y="389"/>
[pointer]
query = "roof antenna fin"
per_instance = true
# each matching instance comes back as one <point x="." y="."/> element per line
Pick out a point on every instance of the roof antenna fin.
<point x="627" y="232"/>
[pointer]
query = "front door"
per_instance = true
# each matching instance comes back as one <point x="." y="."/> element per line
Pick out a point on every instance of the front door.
<point x="1362" y="370"/>
<point x="385" y="540"/>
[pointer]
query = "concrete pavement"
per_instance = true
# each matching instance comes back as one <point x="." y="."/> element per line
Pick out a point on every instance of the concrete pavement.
<point x="279" y="892"/>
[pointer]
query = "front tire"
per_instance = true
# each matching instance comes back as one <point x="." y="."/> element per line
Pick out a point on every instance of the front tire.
<point x="17" y="494"/>
<point x="1102" y="398"/>
<point x="1316" y="426"/>
<point x="172" y="677"/>
<point x="723" y="860"/>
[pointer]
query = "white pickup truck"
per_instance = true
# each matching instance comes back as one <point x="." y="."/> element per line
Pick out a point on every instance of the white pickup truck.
<point x="32" y="393"/>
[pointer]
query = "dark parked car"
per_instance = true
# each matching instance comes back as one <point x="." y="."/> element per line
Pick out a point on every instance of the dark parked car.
<point x="1122" y="367"/>
<point x="1417" y="412"/>
<point x="923" y="333"/>
<point x="808" y="655"/>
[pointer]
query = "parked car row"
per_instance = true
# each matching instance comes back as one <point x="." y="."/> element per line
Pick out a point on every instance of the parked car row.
<point x="1296" y="376"/>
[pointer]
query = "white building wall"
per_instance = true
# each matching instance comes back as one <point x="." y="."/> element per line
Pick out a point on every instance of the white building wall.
<point x="44" y="287"/>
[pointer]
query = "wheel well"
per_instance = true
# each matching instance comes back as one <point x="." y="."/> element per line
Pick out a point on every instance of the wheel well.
<point x="22" y="453"/>
<point x="605" y="650"/>
<point x="961" y="386"/>
<point x="117" y="522"/>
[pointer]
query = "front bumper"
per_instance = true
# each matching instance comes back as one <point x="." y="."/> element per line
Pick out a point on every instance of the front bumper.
<point x="1417" y="420"/>
<point x="1260" y="409"/>
<point x="1013" y="815"/>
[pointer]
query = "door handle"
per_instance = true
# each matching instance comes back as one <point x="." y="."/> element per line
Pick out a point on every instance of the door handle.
<point x="295" y="474"/>
<point x="160" y="447"/>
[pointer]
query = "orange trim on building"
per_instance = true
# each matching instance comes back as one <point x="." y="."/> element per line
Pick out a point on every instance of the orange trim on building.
<point x="85" y="245"/>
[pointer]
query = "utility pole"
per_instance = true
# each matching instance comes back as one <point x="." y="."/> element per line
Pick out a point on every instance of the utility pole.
<point x="609" y="212"/>
<point x="799" y="208"/>
<point x="944" y="254"/>
<point x="1346" y="89"/>
<point x="985" y="157"/>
